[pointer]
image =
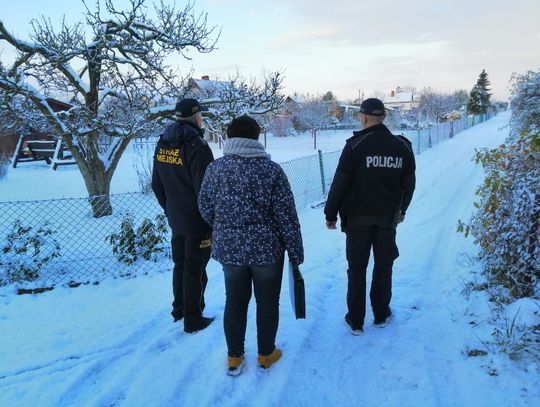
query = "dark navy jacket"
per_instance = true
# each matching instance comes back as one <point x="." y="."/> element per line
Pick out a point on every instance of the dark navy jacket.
<point x="375" y="176"/>
<point x="250" y="206"/>
<point x="180" y="160"/>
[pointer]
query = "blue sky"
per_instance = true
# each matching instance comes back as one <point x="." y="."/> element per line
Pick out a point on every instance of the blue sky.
<point x="346" y="46"/>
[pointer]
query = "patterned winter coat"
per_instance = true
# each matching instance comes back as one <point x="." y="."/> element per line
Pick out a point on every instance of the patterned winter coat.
<point x="249" y="204"/>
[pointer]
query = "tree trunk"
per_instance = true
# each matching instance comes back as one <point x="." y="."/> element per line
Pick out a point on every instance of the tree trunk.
<point x="96" y="174"/>
<point x="98" y="185"/>
<point x="101" y="201"/>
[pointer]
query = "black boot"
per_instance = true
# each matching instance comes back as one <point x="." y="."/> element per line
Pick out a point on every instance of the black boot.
<point x="177" y="316"/>
<point x="198" y="325"/>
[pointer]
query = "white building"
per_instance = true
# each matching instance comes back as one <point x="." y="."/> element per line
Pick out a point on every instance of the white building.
<point x="205" y="88"/>
<point x="404" y="102"/>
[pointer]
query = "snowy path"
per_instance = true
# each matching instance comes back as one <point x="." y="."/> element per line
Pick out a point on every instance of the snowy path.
<point x="114" y="344"/>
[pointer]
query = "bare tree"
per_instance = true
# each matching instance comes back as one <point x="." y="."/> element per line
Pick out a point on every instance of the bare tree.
<point x="240" y="97"/>
<point x="435" y="104"/>
<point x="113" y="67"/>
<point x="460" y="98"/>
<point x="314" y="114"/>
<point x="379" y="94"/>
<point x="11" y="119"/>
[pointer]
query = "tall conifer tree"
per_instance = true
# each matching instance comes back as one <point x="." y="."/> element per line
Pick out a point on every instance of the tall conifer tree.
<point x="479" y="96"/>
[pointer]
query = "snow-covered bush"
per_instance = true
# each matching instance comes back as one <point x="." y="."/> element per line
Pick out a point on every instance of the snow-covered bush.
<point x="151" y="236"/>
<point x="131" y="243"/>
<point x="453" y="115"/>
<point x="123" y="242"/>
<point x="282" y="126"/>
<point x="25" y="251"/>
<point x="506" y="226"/>
<point x="506" y="223"/>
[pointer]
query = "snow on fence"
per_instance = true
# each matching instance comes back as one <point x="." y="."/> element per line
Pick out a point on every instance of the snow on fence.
<point x="422" y="139"/>
<point x="310" y="177"/>
<point x="46" y="243"/>
<point x="58" y="242"/>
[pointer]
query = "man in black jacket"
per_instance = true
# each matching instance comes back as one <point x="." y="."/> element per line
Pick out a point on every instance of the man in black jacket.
<point x="371" y="190"/>
<point x="180" y="160"/>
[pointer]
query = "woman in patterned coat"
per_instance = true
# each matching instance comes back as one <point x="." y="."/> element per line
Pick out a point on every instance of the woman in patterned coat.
<point x="248" y="201"/>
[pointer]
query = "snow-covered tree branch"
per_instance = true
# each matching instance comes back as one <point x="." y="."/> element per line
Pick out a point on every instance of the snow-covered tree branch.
<point x="435" y="105"/>
<point x="238" y="97"/>
<point x="112" y="70"/>
<point x="314" y="114"/>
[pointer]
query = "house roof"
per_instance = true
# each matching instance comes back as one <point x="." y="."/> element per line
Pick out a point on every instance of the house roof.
<point x="400" y="97"/>
<point x="209" y="87"/>
<point x="295" y="99"/>
<point x="57" y="105"/>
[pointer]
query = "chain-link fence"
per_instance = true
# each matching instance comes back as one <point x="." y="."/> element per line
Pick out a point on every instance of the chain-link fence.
<point x="46" y="243"/>
<point x="310" y="177"/>
<point x="423" y="139"/>
<point x="56" y="242"/>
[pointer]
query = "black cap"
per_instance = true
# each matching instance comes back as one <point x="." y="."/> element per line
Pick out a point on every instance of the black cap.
<point x="372" y="107"/>
<point x="188" y="107"/>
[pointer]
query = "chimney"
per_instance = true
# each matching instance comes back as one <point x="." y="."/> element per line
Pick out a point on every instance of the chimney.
<point x="205" y="78"/>
<point x="392" y="93"/>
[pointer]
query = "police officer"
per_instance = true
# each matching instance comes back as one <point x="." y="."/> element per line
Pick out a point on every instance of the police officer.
<point x="180" y="160"/>
<point x="372" y="188"/>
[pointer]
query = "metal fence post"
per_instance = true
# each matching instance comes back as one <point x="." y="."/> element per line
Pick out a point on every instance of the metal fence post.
<point x="321" y="167"/>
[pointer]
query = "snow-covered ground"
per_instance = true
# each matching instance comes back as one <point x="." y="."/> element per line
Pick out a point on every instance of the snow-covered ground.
<point x="27" y="181"/>
<point x="115" y="344"/>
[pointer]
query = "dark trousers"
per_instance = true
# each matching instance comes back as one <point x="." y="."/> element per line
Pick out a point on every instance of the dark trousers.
<point x="267" y="286"/>
<point x="190" y="256"/>
<point x="363" y="233"/>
